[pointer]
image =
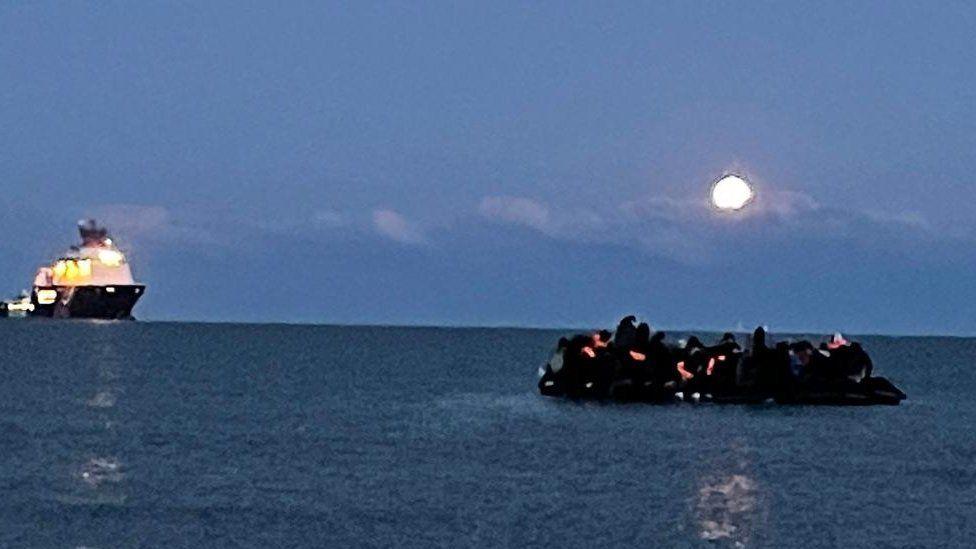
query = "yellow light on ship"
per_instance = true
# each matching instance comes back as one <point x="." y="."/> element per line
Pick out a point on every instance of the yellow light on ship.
<point x="20" y="307"/>
<point x="110" y="258"/>
<point x="84" y="268"/>
<point x="731" y="193"/>
<point x="47" y="297"/>
<point x="71" y="269"/>
<point x="59" y="269"/>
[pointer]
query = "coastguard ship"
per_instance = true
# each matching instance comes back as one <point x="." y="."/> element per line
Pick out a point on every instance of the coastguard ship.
<point x="92" y="280"/>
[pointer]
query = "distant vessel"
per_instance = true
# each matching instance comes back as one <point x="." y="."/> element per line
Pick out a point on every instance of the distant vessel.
<point x="20" y="306"/>
<point x="92" y="280"/>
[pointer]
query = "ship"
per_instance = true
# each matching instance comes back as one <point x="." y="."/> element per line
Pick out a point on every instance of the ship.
<point x="92" y="280"/>
<point x="17" y="307"/>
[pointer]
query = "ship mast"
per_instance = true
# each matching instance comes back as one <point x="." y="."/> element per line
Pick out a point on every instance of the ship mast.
<point x="91" y="234"/>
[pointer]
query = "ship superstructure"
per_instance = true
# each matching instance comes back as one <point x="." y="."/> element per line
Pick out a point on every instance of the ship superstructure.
<point x="92" y="280"/>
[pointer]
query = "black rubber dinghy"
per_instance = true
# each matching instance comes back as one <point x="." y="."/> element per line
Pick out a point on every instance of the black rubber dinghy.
<point x="588" y="368"/>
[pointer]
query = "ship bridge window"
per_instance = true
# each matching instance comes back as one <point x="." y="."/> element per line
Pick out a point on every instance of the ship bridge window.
<point x="110" y="258"/>
<point x="46" y="297"/>
<point x="72" y="269"/>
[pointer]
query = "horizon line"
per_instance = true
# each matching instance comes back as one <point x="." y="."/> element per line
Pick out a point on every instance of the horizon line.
<point x="526" y="327"/>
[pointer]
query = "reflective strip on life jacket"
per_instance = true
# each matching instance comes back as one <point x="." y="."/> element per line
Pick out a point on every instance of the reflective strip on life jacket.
<point x="589" y="352"/>
<point x="639" y="357"/>
<point x="685" y="374"/>
<point x="711" y="367"/>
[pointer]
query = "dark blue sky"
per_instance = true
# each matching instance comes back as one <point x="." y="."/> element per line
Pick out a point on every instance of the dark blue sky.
<point x="502" y="163"/>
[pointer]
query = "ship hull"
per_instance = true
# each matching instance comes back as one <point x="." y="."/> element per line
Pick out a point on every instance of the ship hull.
<point x="106" y="302"/>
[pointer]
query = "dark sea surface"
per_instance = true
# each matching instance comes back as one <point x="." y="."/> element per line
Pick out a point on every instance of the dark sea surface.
<point x="193" y="435"/>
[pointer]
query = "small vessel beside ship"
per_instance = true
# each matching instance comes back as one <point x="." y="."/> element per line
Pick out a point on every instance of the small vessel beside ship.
<point x="91" y="280"/>
<point x="19" y="306"/>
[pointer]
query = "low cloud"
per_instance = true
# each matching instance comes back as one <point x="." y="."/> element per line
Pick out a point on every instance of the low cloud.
<point x="141" y="223"/>
<point x="133" y="219"/>
<point x="908" y="219"/>
<point x="663" y="208"/>
<point x="394" y="226"/>
<point x="575" y="223"/>
<point x="786" y="204"/>
<point x="517" y="210"/>
<point x="782" y="205"/>
<point x="330" y="219"/>
<point x="687" y="230"/>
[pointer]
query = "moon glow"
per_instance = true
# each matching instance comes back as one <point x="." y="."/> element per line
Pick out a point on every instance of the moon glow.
<point x="732" y="193"/>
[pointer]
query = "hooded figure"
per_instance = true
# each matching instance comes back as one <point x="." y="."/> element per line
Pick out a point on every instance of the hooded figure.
<point x="691" y="364"/>
<point x="642" y="336"/>
<point x="662" y="361"/>
<point x="814" y="368"/>
<point x="727" y="346"/>
<point x="632" y="365"/>
<point x="863" y="360"/>
<point x="722" y="365"/>
<point x="626" y="333"/>
<point x="848" y="362"/>
<point x="766" y="363"/>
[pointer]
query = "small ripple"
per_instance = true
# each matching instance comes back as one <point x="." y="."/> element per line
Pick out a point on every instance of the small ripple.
<point x="116" y="500"/>
<point x="99" y="471"/>
<point x="520" y="404"/>
<point x="9" y="429"/>
<point x="102" y="399"/>
<point x="725" y="509"/>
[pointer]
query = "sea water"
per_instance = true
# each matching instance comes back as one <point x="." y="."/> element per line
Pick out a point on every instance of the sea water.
<point x="197" y="435"/>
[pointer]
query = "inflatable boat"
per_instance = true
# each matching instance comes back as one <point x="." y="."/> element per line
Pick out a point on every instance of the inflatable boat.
<point x="586" y="368"/>
<point x="871" y="391"/>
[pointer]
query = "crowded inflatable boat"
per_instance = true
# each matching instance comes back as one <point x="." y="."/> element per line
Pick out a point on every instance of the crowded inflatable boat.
<point x="631" y="364"/>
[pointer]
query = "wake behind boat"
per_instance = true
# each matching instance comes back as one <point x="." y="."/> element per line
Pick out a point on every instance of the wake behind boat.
<point x="92" y="280"/>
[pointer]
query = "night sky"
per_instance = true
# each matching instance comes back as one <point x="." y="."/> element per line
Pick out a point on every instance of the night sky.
<point x="494" y="163"/>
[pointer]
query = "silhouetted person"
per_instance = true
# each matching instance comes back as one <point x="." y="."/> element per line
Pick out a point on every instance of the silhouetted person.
<point x="642" y="336"/>
<point x="661" y="361"/>
<point x="602" y="342"/>
<point x="816" y="369"/>
<point x="691" y="365"/>
<point x="863" y="359"/>
<point x="722" y="365"/>
<point x="763" y="363"/>
<point x="632" y="364"/>
<point x="781" y="370"/>
<point x="626" y="333"/>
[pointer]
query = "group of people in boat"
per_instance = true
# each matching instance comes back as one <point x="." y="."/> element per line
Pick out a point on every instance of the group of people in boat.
<point x="634" y="363"/>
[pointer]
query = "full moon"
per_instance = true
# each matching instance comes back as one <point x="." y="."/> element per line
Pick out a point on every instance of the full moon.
<point x="731" y="193"/>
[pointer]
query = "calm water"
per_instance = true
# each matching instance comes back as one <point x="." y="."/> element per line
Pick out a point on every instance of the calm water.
<point x="142" y="434"/>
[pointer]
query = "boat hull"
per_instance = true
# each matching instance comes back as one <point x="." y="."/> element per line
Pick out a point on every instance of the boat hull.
<point x="105" y="302"/>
